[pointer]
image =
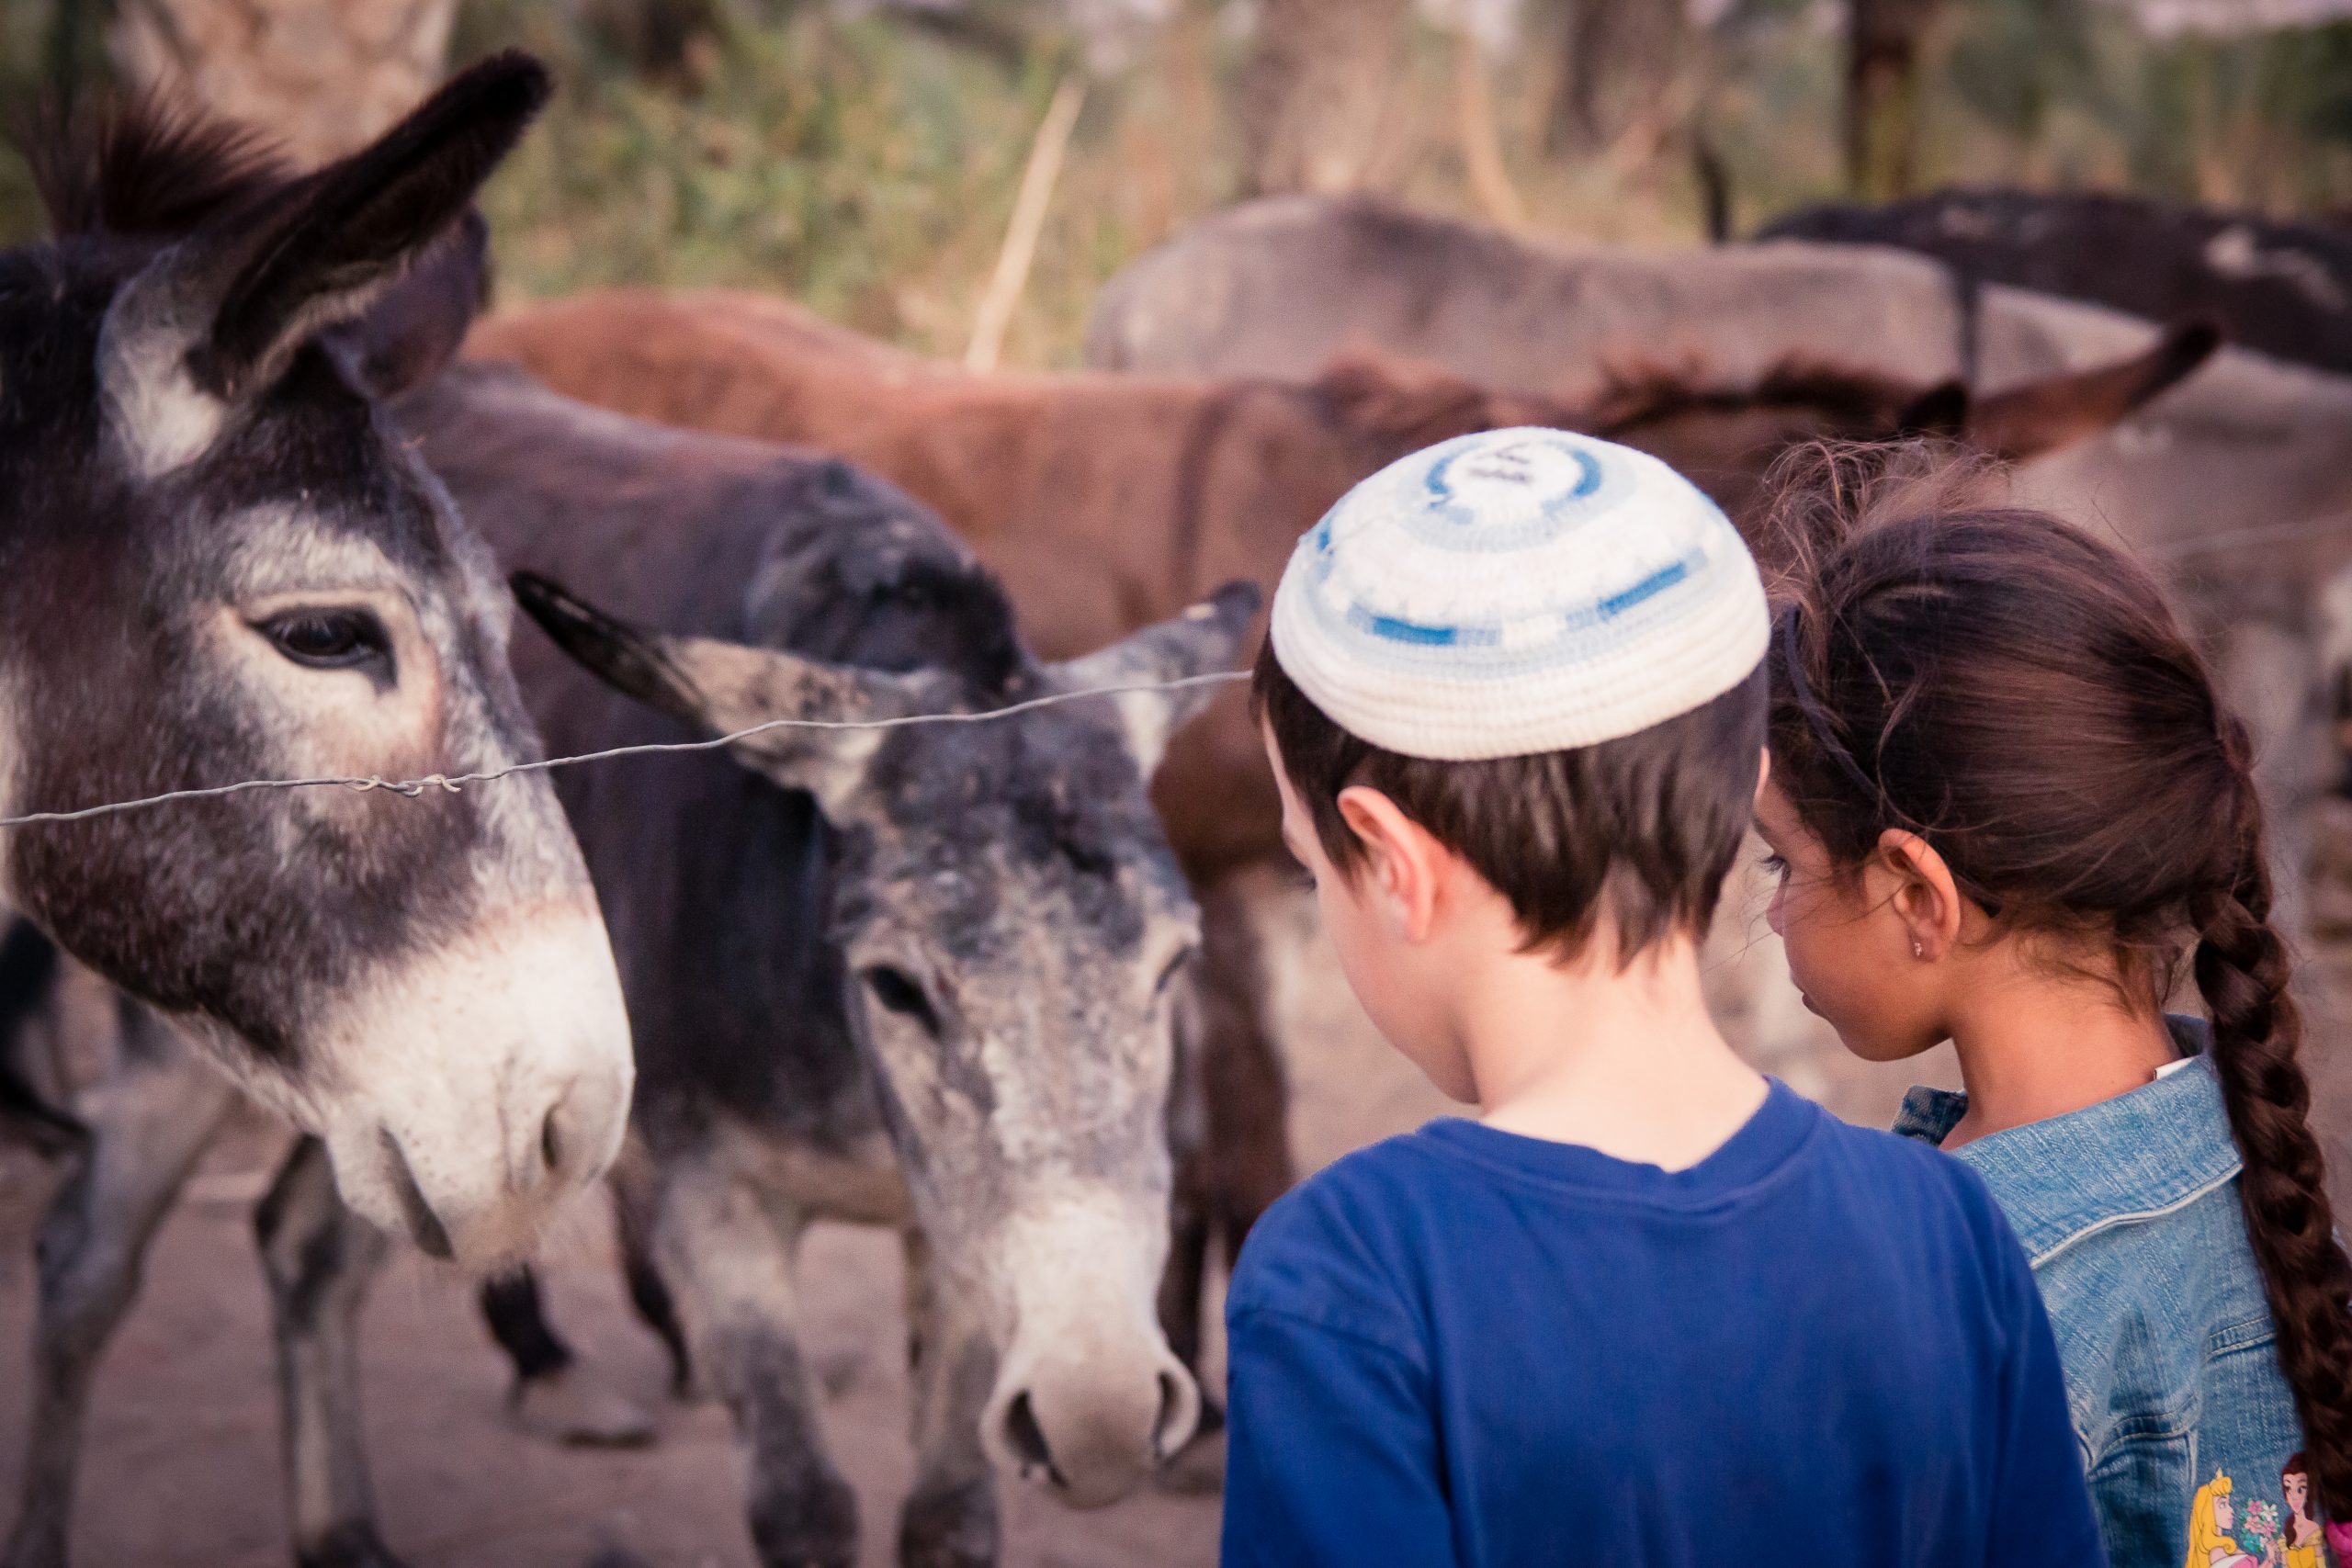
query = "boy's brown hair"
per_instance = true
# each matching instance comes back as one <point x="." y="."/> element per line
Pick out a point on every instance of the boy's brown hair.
<point x="1641" y="830"/>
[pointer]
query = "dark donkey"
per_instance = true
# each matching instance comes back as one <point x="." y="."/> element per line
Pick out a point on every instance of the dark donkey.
<point x="217" y="563"/>
<point x="927" y="977"/>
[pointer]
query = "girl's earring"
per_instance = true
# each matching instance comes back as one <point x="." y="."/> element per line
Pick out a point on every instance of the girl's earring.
<point x="1917" y="949"/>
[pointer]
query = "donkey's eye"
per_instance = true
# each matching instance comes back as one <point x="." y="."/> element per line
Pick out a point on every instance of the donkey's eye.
<point x="327" y="640"/>
<point x="899" y="992"/>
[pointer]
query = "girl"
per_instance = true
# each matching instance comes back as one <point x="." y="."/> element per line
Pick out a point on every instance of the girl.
<point x="2004" y="806"/>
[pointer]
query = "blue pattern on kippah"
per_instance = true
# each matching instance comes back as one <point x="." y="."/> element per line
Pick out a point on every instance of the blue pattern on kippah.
<point x="1402" y="635"/>
<point x="1442" y="519"/>
<point x="1656" y="583"/>
<point x="1397" y="629"/>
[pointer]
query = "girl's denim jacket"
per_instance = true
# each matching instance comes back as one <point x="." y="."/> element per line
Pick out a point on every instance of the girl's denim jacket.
<point x="2129" y="1213"/>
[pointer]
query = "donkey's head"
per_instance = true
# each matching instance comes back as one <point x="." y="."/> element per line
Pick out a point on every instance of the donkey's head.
<point x="217" y="563"/>
<point x="1726" y="438"/>
<point x="1013" y="934"/>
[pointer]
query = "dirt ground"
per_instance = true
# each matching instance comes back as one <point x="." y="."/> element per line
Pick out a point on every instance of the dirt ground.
<point x="182" y="1468"/>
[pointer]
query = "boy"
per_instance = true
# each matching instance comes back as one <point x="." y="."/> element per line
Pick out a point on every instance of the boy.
<point x="1649" y="1309"/>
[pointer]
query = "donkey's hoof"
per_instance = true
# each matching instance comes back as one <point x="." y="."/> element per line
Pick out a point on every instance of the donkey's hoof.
<point x="805" y="1521"/>
<point x="354" y="1544"/>
<point x="577" y="1407"/>
<point x="956" y="1528"/>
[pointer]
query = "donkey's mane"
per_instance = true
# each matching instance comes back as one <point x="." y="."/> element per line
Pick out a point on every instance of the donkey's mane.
<point x="1641" y="394"/>
<point x="145" y="166"/>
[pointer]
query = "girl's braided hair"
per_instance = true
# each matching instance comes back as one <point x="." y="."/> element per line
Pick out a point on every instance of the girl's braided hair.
<point x="2019" y="693"/>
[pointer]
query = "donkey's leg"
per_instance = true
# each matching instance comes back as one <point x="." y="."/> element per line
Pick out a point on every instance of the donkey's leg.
<point x="950" y="1519"/>
<point x="151" y="1118"/>
<point x="2271" y="673"/>
<point x="636" y="1195"/>
<point x="1242" y="1066"/>
<point x="555" y="1396"/>
<point x="729" y="1258"/>
<point x="320" y="1258"/>
<point x="518" y="1319"/>
<point x="1237" y="1159"/>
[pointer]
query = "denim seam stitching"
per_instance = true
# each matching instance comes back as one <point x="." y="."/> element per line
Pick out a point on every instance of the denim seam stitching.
<point x="2137" y="1216"/>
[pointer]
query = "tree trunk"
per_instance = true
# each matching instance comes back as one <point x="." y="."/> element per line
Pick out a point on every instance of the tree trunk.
<point x="1617" y="62"/>
<point x="324" y="76"/>
<point x="1884" y="42"/>
<point x="1317" y="83"/>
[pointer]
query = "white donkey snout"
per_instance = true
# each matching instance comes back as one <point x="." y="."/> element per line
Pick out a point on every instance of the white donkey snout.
<point x="478" y="1087"/>
<point x="1089" y="1399"/>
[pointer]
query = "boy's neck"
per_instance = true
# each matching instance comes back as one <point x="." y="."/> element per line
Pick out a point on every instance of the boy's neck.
<point x="1625" y="1062"/>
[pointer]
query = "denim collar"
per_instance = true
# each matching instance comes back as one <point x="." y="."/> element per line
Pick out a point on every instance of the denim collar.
<point x="2132" y="1157"/>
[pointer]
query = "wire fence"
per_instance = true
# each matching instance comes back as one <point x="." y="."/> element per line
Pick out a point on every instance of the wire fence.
<point x="453" y="783"/>
<point x="413" y="788"/>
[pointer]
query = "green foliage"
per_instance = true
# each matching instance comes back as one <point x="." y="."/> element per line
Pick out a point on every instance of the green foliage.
<point x="862" y="167"/>
<point x="866" y="167"/>
<point x="48" y="48"/>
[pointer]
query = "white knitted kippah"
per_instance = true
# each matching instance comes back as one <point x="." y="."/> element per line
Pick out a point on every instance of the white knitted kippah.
<point x="1517" y="592"/>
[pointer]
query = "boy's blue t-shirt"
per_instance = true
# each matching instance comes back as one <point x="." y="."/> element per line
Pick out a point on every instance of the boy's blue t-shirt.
<point x="1819" y="1348"/>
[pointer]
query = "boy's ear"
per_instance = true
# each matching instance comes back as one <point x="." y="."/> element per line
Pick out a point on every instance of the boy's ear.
<point x="1926" y="897"/>
<point x="1404" y="865"/>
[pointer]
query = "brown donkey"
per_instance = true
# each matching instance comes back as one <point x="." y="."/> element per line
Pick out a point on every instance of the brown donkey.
<point x="1107" y="502"/>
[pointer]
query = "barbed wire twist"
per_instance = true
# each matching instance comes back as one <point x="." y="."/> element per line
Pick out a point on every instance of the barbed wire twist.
<point x="414" y="788"/>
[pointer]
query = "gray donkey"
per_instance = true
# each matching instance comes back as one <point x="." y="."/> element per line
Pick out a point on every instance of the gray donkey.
<point x="217" y="563"/>
<point x="927" y="977"/>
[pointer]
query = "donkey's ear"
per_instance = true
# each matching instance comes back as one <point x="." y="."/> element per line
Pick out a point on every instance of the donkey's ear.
<point x="321" y="253"/>
<point x="723" y="688"/>
<point x="1940" y="412"/>
<point x="408" y="336"/>
<point x="1203" y="640"/>
<point x="2042" y="416"/>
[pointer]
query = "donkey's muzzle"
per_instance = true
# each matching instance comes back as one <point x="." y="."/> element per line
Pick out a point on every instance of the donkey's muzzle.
<point x="1089" y="1399"/>
<point x="479" y="1086"/>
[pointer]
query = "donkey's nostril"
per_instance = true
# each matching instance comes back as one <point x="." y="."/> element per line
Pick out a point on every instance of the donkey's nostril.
<point x="551" y="1141"/>
<point x="1028" y="1438"/>
<point x="1179" y="1413"/>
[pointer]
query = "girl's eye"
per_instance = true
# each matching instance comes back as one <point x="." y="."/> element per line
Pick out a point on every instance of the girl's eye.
<point x="1774" y="866"/>
<point x="327" y="640"/>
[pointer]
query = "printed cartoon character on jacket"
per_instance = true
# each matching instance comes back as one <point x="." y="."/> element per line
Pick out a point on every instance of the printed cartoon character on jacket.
<point x="2281" y="1535"/>
<point x="2299" y="1540"/>
<point x="2213" y="1516"/>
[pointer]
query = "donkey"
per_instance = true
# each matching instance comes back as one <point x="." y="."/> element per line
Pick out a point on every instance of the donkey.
<point x="2240" y="482"/>
<point x="928" y="977"/>
<point x="2281" y="286"/>
<point x="217" y="563"/>
<point x="1106" y="500"/>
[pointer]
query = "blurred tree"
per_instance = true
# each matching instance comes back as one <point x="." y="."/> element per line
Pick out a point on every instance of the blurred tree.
<point x="1617" y="58"/>
<point x="656" y="37"/>
<point x="1884" y="38"/>
<point x="321" y="75"/>
<point x="1319" y="77"/>
<point x="2015" y="62"/>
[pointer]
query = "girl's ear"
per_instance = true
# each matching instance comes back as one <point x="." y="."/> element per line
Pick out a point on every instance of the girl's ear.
<point x="1403" y="864"/>
<point x="1925" y="896"/>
